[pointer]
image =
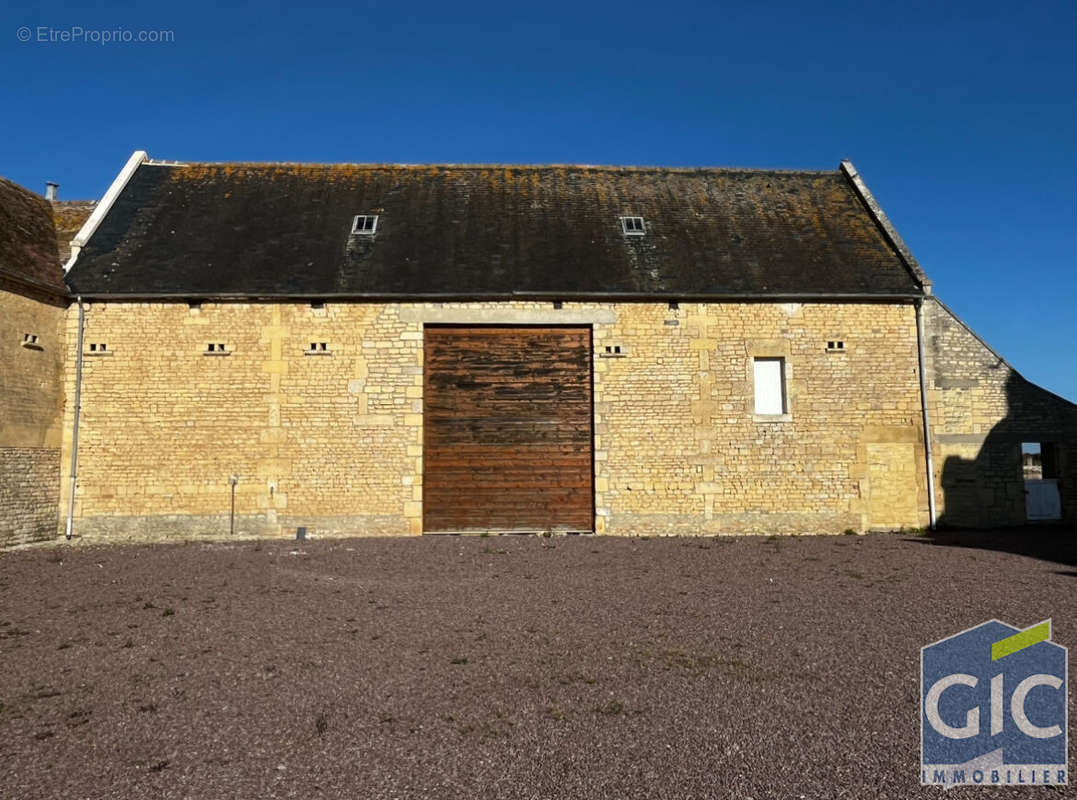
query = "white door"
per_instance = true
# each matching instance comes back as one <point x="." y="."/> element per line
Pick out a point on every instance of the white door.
<point x="1042" y="500"/>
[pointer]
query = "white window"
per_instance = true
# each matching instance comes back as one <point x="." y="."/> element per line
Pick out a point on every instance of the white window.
<point x="770" y="386"/>
<point x="633" y="226"/>
<point x="365" y="224"/>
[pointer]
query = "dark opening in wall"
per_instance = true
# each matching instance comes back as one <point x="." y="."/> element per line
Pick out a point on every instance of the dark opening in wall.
<point x="1041" y="473"/>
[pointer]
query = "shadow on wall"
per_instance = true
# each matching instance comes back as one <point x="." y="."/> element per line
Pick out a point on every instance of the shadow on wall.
<point x="1025" y="471"/>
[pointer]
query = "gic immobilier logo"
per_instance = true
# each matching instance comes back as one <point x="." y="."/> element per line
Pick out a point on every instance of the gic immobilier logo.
<point x="993" y="708"/>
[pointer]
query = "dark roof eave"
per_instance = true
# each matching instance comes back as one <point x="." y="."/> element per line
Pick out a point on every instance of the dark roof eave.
<point x="628" y="297"/>
<point x="59" y="292"/>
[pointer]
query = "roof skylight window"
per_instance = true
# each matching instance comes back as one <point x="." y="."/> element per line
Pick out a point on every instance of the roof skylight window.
<point x="364" y="224"/>
<point x="632" y="226"/>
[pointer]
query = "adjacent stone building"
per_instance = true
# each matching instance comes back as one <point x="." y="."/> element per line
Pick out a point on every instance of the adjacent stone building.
<point x="385" y="349"/>
<point x="985" y="413"/>
<point x="32" y="302"/>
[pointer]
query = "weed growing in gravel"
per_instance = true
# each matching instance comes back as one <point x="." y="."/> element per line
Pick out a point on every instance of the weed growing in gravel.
<point x="555" y="713"/>
<point x="611" y="708"/>
<point x="168" y="612"/>
<point x="774" y="540"/>
<point x="42" y="691"/>
<point x="493" y="551"/>
<point x="458" y="660"/>
<point x="698" y="664"/>
<point x="486" y="730"/>
<point x="850" y="532"/>
<point x="565" y="680"/>
<point x="321" y="723"/>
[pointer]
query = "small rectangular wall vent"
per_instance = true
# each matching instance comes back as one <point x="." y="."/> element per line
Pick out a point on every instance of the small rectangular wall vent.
<point x="835" y="346"/>
<point x="364" y="224"/>
<point x="217" y="349"/>
<point x="633" y="226"/>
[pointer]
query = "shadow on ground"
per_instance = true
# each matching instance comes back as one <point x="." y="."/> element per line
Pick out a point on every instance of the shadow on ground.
<point x="1056" y="543"/>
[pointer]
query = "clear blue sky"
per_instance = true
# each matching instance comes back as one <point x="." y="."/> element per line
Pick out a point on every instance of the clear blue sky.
<point x="961" y="116"/>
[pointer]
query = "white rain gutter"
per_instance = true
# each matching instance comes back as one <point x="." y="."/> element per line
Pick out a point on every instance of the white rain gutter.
<point x="923" y="408"/>
<point x="75" y="426"/>
<point x="137" y="158"/>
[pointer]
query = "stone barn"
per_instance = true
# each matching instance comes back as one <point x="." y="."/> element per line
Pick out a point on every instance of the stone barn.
<point x="387" y="349"/>
<point x="32" y="303"/>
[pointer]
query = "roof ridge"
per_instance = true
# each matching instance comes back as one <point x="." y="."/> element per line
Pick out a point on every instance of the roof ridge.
<point x="429" y="165"/>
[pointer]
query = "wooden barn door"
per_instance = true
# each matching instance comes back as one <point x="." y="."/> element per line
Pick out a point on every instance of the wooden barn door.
<point x="507" y="429"/>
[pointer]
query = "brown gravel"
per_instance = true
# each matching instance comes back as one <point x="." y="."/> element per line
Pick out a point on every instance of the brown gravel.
<point x="506" y="667"/>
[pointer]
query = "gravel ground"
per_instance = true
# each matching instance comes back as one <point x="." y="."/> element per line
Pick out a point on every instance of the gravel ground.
<point x="503" y="667"/>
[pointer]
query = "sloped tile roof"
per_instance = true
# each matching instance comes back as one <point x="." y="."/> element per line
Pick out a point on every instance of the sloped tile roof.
<point x="285" y="229"/>
<point x="27" y="237"/>
<point x="69" y="216"/>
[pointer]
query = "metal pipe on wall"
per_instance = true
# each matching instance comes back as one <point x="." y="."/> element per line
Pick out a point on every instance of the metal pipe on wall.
<point x="75" y="426"/>
<point x="926" y="417"/>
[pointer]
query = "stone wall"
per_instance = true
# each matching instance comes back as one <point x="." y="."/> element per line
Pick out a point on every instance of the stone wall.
<point x="332" y="439"/>
<point x="329" y="439"/>
<point x="679" y="449"/>
<point x="982" y="410"/>
<point x="30" y="414"/>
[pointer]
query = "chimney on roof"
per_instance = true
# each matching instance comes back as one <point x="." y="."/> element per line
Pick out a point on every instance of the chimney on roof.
<point x="50" y="190"/>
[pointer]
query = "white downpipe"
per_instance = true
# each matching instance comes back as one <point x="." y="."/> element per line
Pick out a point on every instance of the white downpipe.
<point x="75" y="426"/>
<point x="923" y="407"/>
